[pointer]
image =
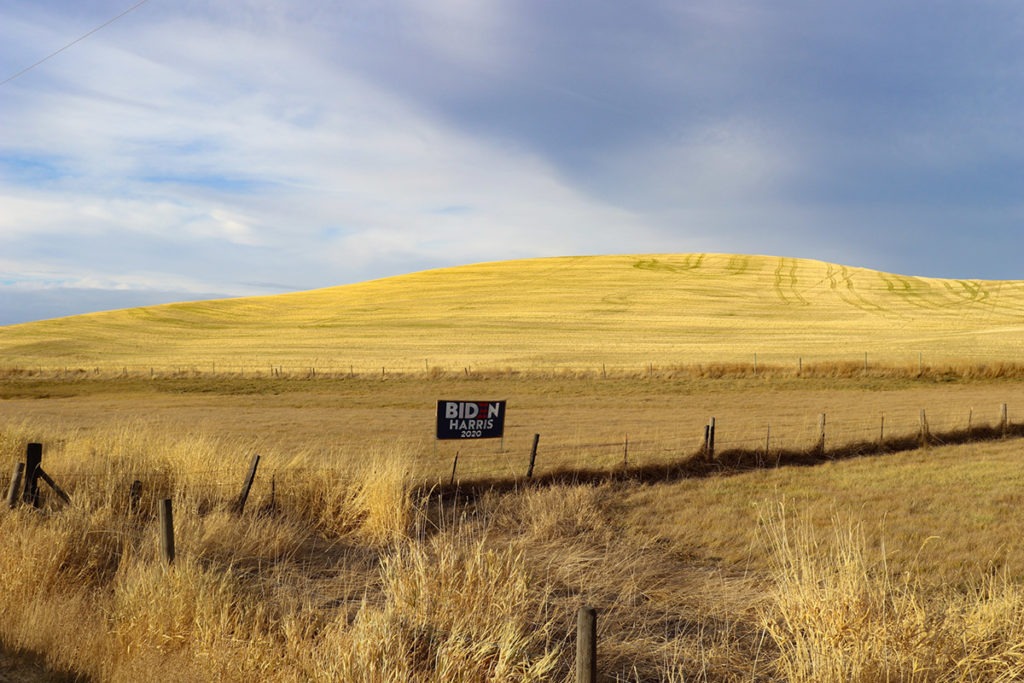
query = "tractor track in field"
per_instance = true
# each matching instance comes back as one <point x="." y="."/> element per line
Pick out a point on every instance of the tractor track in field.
<point x="842" y="283"/>
<point x="786" y="280"/>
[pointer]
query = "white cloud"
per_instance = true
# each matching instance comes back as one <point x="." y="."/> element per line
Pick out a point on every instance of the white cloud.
<point x="310" y="144"/>
<point x="248" y="142"/>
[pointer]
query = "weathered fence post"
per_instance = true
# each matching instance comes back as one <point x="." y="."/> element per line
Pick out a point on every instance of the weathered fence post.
<point x="1004" y="421"/>
<point x="166" y="531"/>
<point x="533" y="456"/>
<point x="925" y="436"/>
<point x="247" y="486"/>
<point x="711" y="439"/>
<point x="881" y="433"/>
<point x="625" y="453"/>
<point x="821" y="435"/>
<point x="455" y="464"/>
<point x="33" y="460"/>
<point x="12" y="492"/>
<point x="586" y="645"/>
<point x="53" y="485"/>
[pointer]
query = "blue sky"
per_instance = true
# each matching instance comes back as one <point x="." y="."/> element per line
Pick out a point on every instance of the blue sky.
<point x="203" y="148"/>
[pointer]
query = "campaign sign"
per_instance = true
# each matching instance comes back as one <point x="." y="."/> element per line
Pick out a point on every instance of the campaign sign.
<point x="470" y="419"/>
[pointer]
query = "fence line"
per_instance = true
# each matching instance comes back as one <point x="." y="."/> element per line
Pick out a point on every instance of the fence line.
<point x="768" y="443"/>
<point x="759" y="364"/>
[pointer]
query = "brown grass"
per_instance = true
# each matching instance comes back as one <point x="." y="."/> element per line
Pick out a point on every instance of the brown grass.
<point x="839" y="614"/>
<point x="347" y="574"/>
<point x="356" y="565"/>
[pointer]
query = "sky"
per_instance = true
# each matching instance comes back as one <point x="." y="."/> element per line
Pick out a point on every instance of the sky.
<point x="194" y="149"/>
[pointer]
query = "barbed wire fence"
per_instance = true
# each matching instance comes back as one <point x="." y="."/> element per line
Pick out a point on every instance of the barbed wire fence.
<point x="759" y="440"/>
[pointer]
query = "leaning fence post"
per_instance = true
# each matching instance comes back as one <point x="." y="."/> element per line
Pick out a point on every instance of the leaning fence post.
<point x="166" y="531"/>
<point x="925" y="435"/>
<point x="53" y="485"/>
<point x="711" y="440"/>
<point x="586" y="645"/>
<point x="12" y="492"/>
<point x="533" y="456"/>
<point x="240" y="505"/>
<point x="455" y="464"/>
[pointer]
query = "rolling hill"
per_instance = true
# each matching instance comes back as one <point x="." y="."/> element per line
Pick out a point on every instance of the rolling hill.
<point x="571" y="312"/>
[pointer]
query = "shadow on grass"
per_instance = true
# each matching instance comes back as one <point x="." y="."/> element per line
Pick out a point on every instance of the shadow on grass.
<point x="26" y="666"/>
<point x="724" y="463"/>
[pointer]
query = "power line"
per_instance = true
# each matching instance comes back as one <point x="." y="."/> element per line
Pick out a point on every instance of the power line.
<point x="73" y="42"/>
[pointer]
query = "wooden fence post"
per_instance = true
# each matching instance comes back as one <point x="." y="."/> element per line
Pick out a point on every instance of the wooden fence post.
<point x="821" y="435"/>
<point x="33" y="460"/>
<point x="247" y="486"/>
<point x="12" y="492"/>
<point x="455" y="464"/>
<point x="1004" y="421"/>
<point x="586" y="645"/>
<point x="925" y="435"/>
<point x="533" y="456"/>
<point x="166" y="531"/>
<point x="711" y="439"/>
<point x="53" y="485"/>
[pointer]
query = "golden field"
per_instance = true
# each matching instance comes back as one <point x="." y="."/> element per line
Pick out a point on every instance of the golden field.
<point x="358" y="558"/>
<point x="615" y="312"/>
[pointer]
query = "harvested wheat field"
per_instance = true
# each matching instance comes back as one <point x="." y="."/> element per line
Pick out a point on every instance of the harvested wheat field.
<point x="619" y="313"/>
<point x="855" y="520"/>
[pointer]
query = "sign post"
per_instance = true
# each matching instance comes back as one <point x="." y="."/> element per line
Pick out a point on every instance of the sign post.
<point x="470" y="420"/>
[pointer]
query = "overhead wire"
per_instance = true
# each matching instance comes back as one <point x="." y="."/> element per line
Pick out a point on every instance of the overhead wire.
<point x="73" y="42"/>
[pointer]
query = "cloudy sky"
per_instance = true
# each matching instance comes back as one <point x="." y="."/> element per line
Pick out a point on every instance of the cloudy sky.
<point x="199" y="148"/>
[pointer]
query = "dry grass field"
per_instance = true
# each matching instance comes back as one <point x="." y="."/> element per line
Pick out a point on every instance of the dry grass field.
<point x="359" y="556"/>
<point x="616" y="312"/>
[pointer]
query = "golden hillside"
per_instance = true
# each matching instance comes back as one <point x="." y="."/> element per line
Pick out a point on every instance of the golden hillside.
<point x="575" y="312"/>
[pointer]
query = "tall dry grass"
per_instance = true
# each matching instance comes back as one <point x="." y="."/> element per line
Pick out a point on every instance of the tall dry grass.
<point x="349" y="572"/>
<point x="839" y="614"/>
<point x="323" y="582"/>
